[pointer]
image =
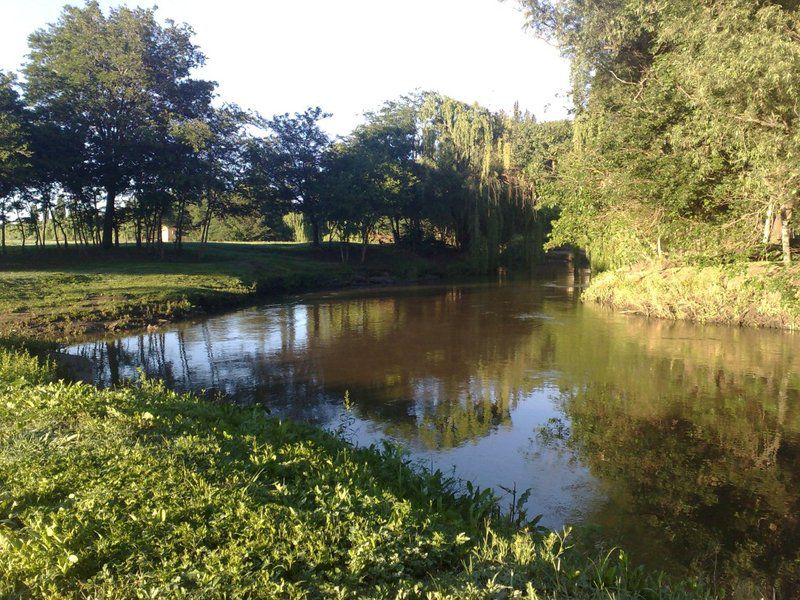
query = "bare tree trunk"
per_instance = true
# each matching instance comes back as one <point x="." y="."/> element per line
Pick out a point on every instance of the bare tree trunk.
<point x="179" y="230"/>
<point x="315" y="229"/>
<point x="364" y="243"/>
<point x="108" y="219"/>
<point x="54" y="224"/>
<point x="43" y="235"/>
<point x="768" y="224"/>
<point x="786" y="237"/>
<point x="138" y="230"/>
<point x="206" y="223"/>
<point x="158" y="233"/>
<point x="21" y="225"/>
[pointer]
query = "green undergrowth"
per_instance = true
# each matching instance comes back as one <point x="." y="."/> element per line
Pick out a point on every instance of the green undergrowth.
<point x="143" y="492"/>
<point x="748" y="294"/>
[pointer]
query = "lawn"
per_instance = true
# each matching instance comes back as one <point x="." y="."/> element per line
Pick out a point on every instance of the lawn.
<point x="58" y="294"/>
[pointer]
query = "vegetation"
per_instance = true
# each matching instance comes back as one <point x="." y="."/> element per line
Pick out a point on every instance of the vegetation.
<point x="109" y="137"/>
<point x="691" y="433"/>
<point x="681" y="156"/>
<point x="144" y="492"/>
<point x="685" y="131"/>
<point x="62" y="296"/>
<point x="754" y="294"/>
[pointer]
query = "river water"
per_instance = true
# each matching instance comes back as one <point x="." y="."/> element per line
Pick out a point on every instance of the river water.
<point x="677" y="442"/>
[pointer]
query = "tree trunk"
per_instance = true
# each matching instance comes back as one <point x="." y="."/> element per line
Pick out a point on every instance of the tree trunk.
<point x="108" y="220"/>
<point x="43" y="234"/>
<point x="138" y="231"/>
<point x="768" y="225"/>
<point x="315" y="229"/>
<point x="54" y="224"/>
<point x="179" y="230"/>
<point x="786" y="237"/>
<point x="21" y="225"/>
<point x="206" y="223"/>
<point x="158" y="234"/>
<point x="364" y="243"/>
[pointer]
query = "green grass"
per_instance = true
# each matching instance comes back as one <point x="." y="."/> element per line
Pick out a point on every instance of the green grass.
<point x="755" y="295"/>
<point x="55" y="294"/>
<point x="142" y="492"/>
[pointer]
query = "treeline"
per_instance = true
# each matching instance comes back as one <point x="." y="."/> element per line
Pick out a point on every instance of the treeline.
<point x="687" y="137"/>
<point x="106" y="134"/>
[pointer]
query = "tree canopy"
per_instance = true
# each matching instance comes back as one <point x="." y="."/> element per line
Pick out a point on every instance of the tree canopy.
<point x="686" y="128"/>
<point x="112" y="136"/>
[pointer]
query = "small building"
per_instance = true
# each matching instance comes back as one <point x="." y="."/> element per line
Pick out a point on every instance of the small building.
<point x="168" y="233"/>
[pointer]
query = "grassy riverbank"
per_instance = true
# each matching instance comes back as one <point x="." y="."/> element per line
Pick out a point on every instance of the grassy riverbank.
<point x="58" y="294"/>
<point x="141" y="492"/>
<point x="754" y="295"/>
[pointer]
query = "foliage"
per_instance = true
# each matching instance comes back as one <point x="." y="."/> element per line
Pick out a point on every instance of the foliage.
<point x="118" y="84"/>
<point x="300" y="145"/>
<point x="14" y="146"/>
<point x="143" y="492"/>
<point x="685" y="129"/>
<point x="122" y="140"/>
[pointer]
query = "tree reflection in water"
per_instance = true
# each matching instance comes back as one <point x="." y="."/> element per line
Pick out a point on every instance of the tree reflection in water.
<point x="681" y="441"/>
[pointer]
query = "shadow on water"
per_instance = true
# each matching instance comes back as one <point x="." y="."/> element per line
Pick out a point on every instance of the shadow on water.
<point x="676" y="441"/>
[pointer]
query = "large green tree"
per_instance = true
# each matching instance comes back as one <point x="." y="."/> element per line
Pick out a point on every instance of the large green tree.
<point x="14" y="147"/>
<point x="686" y="128"/>
<point x="300" y="143"/>
<point x="117" y="81"/>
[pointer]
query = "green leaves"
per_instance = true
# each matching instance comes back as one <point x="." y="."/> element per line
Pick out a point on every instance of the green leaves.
<point x="687" y="126"/>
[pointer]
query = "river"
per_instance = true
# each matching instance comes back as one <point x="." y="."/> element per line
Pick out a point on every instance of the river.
<point x="677" y="442"/>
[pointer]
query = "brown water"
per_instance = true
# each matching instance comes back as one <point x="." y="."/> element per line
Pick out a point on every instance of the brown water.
<point x="679" y="442"/>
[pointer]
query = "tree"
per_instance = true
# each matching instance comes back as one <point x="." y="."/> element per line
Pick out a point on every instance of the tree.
<point x="392" y="136"/>
<point x="300" y="145"/>
<point x="14" y="147"/>
<point x="685" y="129"/>
<point x="116" y="82"/>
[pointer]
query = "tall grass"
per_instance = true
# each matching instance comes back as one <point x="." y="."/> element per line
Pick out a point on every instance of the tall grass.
<point x="755" y="295"/>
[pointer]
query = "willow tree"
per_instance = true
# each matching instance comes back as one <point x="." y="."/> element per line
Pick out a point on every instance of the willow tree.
<point x="489" y="172"/>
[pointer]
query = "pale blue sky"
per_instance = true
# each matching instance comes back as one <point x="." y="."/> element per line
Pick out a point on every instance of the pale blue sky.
<point x="347" y="56"/>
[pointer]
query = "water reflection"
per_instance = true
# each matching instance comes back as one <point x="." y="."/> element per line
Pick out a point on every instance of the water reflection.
<point x="681" y="441"/>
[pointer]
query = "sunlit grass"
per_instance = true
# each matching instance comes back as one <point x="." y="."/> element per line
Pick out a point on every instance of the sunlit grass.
<point x="755" y="294"/>
<point x="142" y="492"/>
<point x="57" y="293"/>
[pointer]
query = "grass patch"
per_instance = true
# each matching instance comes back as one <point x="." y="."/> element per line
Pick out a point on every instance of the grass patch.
<point x="754" y="295"/>
<point x="57" y="294"/>
<point x="142" y="492"/>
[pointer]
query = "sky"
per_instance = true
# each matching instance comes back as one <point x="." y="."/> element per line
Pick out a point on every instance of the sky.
<point x="347" y="56"/>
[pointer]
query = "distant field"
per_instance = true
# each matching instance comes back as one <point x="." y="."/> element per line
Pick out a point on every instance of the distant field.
<point x="56" y="294"/>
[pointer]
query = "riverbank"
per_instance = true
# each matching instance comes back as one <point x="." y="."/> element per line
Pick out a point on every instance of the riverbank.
<point x="758" y="294"/>
<point x="57" y="294"/>
<point x="142" y="491"/>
